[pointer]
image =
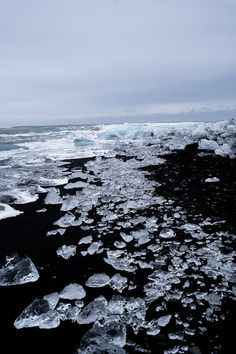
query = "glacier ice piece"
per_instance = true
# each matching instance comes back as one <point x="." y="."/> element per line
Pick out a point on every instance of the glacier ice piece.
<point x="6" y="211"/>
<point x="53" y="197"/>
<point x="17" y="271"/>
<point x="118" y="282"/>
<point x="95" y="310"/>
<point x="98" y="280"/>
<point x="76" y="185"/>
<point x="166" y="232"/>
<point x="212" y="180"/>
<point x="38" y="314"/>
<point x="164" y="320"/>
<point x="66" y="252"/>
<point x="85" y="240"/>
<point x="73" y="291"/>
<point x="52" y="299"/>
<point x="112" y="333"/>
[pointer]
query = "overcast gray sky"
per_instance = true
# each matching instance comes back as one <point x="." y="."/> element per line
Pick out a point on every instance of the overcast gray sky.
<point x="72" y="61"/>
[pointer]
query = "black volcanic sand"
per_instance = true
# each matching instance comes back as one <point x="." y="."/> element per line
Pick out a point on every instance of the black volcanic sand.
<point x="181" y="180"/>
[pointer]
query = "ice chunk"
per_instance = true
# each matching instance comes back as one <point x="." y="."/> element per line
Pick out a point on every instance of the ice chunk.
<point x="95" y="310"/>
<point x="110" y="338"/>
<point x="167" y="233"/>
<point x="18" y="271"/>
<point x="38" y="314"/>
<point x="126" y="238"/>
<point x="85" y="240"/>
<point x="66" y="252"/>
<point x="53" y="197"/>
<point x="206" y="144"/>
<point x="94" y="247"/>
<point x="67" y="220"/>
<point x="164" y="320"/>
<point x="6" y="211"/>
<point x="98" y="280"/>
<point x="76" y="185"/>
<point x="199" y="132"/>
<point x="73" y="291"/>
<point x="118" y="282"/>
<point x="52" y="299"/>
<point x="154" y="328"/>
<point x="212" y="180"/>
<point x="70" y="203"/>
<point x="116" y="305"/>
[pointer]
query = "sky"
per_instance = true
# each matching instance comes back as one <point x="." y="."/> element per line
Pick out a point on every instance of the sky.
<point x="78" y="61"/>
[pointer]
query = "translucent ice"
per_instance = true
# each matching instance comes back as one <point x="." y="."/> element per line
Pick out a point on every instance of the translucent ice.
<point x="18" y="271"/>
<point x="167" y="233"/>
<point x="66" y="252"/>
<point x="98" y="280"/>
<point x="38" y="314"/>
<point x="73" y="292"/>
<point x="118" y="282"/>
<point x="6" y="211"/>
<point x="53" y="197"/>
<point x="164" y="320"/>
<point x="95" y="310"/>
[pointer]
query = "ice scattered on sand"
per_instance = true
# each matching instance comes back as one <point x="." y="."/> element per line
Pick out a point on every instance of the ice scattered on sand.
<point x="66" y="252"/>
<point x="98" y="280"/>
<point x="53" y="196"/>
<point x="17" y="271"/>
<point x="73" y="292"/>
<point x="6" y="211"/>
<point x="38" y="314"/>
<point x="212" y="180"/>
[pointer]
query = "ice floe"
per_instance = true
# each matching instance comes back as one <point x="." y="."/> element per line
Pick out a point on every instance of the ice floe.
<point x="17" y="271"/>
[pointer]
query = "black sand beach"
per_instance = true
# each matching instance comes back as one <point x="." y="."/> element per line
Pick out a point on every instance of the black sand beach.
<point x="181" y="180"/>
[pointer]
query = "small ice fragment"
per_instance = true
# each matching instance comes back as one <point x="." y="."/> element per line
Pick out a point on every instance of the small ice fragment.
<point x="126" y="238"/>
<point x="118" y="282"/>
<point x="164" y="320"/>
<point x="66" y="252"/>
<point x="212" y="180"/>
<point x="85" y="240"/>
<point x="43" y="210"/>
<point x="167" y="233"/>
<point x="18" y="271"/>
<point x="73" y="291"/>
<point x="53" y="197"/>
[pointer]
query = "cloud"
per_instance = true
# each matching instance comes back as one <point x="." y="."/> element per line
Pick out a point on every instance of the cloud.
<point x="75" y="58"/>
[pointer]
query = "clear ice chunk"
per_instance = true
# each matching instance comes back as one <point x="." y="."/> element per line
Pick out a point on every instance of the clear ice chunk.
<point x="73" y="291"/>
<point x="95" y="310"/>
<point x="98" y="280"/>
<point x="17" y="271"/>
<point x="164" y="320"/>
<point x="38" y="314"/>
<point x="66" y="252"/>
<point x="167" y="233"/>
<point x="118" y="282"/>
<point x="53" y="197"/>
